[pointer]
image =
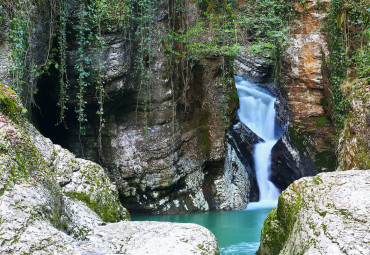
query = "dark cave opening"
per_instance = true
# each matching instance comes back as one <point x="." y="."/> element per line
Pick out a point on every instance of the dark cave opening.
<point x="45" y="112"/>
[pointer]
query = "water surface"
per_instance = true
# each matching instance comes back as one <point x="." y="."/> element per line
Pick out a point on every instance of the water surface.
<point x="237" y="232"/>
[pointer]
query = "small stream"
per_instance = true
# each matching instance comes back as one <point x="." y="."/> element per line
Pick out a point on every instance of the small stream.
<point x="238" y="232"/>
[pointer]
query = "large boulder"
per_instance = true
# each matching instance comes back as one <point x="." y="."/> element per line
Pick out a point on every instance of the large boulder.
<point x="54" y="203"/>
<point x="326" y="214"/>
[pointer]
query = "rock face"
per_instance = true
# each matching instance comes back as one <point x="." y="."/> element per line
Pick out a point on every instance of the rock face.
<point x="5" y="51"/>
<point x="326" y="214"/>
<point x="53" y="202"/>
<point x="241" y="141"/>
<point x="161" y="140"/>
<point x="256" y="69"/>
<point x="288" y="163"/>
<point x="306" y="83"/>
<point x="307" y="48"/>
<point x="354" y="141"/>
<point x="229" y="187"/>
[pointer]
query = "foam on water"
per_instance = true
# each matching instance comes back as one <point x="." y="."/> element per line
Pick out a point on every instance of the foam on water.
<point x="257" y="112"/>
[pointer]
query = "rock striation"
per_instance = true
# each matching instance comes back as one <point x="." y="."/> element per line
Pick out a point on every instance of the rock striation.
<point x="163" y="141"/>
<point x="326" y="214"/>
<point x="306" y="84"/>
<point x="54" y="203"/>
<point x="304" y="78"/>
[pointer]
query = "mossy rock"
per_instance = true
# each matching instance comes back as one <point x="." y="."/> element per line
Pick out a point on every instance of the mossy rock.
<point x="108" y="212"/>
<point x="273" y="235"/>
<point x="10" y="105"/>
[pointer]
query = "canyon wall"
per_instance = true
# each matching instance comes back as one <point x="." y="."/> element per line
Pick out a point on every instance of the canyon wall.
<point x="305" y="80"/>
<point x="163" y="144"/>
<point x="53" y="202"/>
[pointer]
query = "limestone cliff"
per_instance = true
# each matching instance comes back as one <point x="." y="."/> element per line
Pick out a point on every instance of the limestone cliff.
<point x="306" y="84"/>
<point x="53" y="202"/>
<point x="163" y="144"/>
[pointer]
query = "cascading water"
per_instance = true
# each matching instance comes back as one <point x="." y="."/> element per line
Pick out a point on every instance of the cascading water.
<point x="257" y="112"/>
<point x="238" y="232"/>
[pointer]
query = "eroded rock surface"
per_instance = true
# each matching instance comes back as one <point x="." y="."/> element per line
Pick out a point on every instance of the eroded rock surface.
<point x="54" y="203"/>
<point x="306" y="84"/>
<point x="326" y="214"/>
<point x="160" y="135"/>
<point x="304" y="79"/>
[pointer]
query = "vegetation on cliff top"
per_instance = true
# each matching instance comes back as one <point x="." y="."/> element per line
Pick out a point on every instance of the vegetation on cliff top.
<point x="219" y="29"/>
<point x="348" y="25"/>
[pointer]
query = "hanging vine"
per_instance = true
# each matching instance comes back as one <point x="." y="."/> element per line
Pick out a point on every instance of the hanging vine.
<point x="62" y="66"/>
<point x="26" y="68"/>
<point x="83" y="60"/>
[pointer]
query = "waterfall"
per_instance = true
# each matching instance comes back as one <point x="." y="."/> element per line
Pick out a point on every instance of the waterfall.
<point x="257" y="112"/>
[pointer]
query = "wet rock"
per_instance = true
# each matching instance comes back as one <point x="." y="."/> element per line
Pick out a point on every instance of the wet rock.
<point x="326" y="214"/>
<point x="254" y="68"/>
<point x="288" y="164"/>
<point x="227" y="185"/>
<point x="241" y="141"/>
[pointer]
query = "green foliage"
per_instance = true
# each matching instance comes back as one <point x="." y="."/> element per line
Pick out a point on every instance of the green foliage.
<point x="83" y="36"/>
<point x="348" y="27"/>
<point x="267" y="26"/>
<point x="22" y="34"/>
<point x="18" y="35"/>
<point x="62" y="66"/>
<point x="144" y="19"/>
<point x="213" y="34"/>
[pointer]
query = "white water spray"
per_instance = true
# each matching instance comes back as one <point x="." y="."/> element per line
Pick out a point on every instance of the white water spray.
<point x="257" y="111"/>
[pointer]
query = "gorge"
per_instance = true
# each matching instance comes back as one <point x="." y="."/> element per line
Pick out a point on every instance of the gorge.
<point x="210" y="112"/>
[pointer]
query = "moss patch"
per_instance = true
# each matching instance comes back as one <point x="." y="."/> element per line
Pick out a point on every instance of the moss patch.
<point x="107" y="212"/>
<point x="8" y="103"/>
<point x="272" y="235"/>
<point x="322" y="121"/>
<point x="280" y="221"/>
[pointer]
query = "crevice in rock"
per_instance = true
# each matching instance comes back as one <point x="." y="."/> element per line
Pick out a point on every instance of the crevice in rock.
<point x="212" y="170"/>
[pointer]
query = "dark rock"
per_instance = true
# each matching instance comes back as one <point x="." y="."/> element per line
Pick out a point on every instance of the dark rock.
<point x="257" y="69"/>
<point x="242" y="139"/>
<point x="287" y="164"/>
